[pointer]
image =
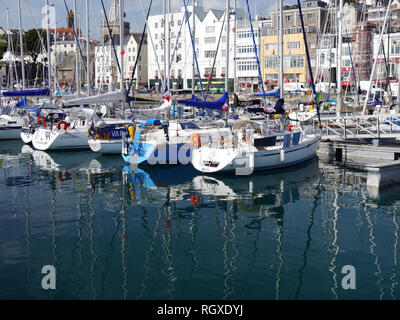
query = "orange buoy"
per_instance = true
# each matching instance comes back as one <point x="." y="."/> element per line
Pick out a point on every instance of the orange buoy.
<point x="195" y="140"/>
<point x="62" y="122"/>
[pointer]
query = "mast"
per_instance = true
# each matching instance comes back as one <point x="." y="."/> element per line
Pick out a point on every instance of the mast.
<point x="10" y="66"/>
<point x="169" y="42"/>
<point x="54" y="84"/>
<point x="227" y="47"/>
<point x="48" y="49"/>
<point x="87" y="49"/>
<point x="78" y="81"/>
<point x="194" y="37"/>
<point x="339" y="59"/>
<point x="122" y="40"/>
<point x="165" y="42"/>
<point x="376" y="59"/>
<point x="234" y="48"/>
<point x="21" y="44"/>
<point x="280" y="47"/>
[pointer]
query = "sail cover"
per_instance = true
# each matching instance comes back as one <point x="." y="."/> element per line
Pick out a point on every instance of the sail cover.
<point x="113" y="96"/>
<point x="212" y="105"/>
<point x="27" y="93"/>
<point x="275" y="94"/>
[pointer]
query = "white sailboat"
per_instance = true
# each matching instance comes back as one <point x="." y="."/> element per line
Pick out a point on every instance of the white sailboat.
<point x="71" y="133"/>
<point x="246" y="152"/>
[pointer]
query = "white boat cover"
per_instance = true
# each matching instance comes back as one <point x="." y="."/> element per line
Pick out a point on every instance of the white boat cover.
<point x="108" y="97"/>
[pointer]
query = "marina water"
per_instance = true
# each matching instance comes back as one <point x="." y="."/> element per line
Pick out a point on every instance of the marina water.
<point x="112" y="231"/>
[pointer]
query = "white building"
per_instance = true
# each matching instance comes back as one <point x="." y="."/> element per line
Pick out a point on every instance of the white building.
<point x="207" y="33"/>
<point x="391" y="45"/>
<point x="106" y="69"/>
<point x="247" y="72"/>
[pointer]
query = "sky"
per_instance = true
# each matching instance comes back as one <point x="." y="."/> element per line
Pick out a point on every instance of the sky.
<point x="32" y="16"/>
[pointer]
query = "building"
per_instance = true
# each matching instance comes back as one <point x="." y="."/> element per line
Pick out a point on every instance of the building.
<point x="210" y="45"/>
<point x="247" y="69"/>
<point x="106" y="70"/>
<point x="388" y="61"/>
<point x="63" y="49"/>
<point x="295" y="66"/>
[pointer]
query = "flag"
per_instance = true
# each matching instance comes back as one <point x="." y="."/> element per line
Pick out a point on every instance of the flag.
<point x="166" y="94"/>
<point x="30" y="118"/>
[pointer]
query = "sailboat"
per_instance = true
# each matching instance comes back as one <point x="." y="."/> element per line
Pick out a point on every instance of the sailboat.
<point x="255" y="146"/>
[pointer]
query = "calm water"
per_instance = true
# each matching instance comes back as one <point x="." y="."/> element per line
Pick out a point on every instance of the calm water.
<point x="170" y="233"/>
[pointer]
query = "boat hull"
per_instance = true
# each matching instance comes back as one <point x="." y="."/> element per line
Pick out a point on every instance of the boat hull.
<point x="162" y="153"/>
<point x="10" y="133"/>
<point x="106" y="146"/>
<point x="46" y="139"/>
<point x="26" y="135"/>
<point x="204" y="159"/>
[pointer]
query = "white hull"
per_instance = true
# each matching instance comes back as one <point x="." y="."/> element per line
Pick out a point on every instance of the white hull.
<point x="106" y="146"/>
<point x="211" y="160"/>
<point x="46" y="139"/>
<point x="10" y="133"/>
<point x="26" y="136"/>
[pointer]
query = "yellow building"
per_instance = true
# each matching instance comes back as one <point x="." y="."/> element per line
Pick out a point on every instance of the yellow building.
<point x="295" y="66"/>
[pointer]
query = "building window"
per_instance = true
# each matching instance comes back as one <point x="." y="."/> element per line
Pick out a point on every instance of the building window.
<point x="293" y="61"/>
<point x="271" y="46"/>
<point x="310" y="16"/>
<point x="156" y="25"/>
<point x="209" y="40"/>
<point x="211" y="70"/>
<point x="288" y="18"/>
<point x="294" y="45"/>
<point x="271" y="62"/>
<point x="210" y="29"/>
<point x="395" y="48"/>
<point x="210" y="54"/>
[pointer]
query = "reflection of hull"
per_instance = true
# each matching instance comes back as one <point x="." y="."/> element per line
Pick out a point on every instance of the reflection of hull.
<point x="45" y="139"/>
<point x="232" y="186"/>
<point x="105" y="146"/>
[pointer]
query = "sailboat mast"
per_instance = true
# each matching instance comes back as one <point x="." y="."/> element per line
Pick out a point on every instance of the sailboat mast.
<point x="77" y="71"/>
<point x="339" y="60"/>
<point x="10" y="67"/>
<point x="227" y="47"/>
<point x="48" y="49"/>
<point x="194" y="37"/>
<point x="21" y="45"/>
<point x="376" y="58"/>
<point x="168" y="41"/>
<point x="165" y="43"/>
<point x="280" y="48"/>
<point x="234" y="47"/>
<point x="122" y="42"/>
<point x="87" y="49"/>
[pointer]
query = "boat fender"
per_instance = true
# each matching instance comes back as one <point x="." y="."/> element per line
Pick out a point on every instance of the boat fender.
<point x="131" y="131"/>
<point x="195" y="200"/>
<point x="282" y="156"/>
<point x="41" y="120"/>
<point x="195" y="140"/>
<point x="62" y="122"/>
